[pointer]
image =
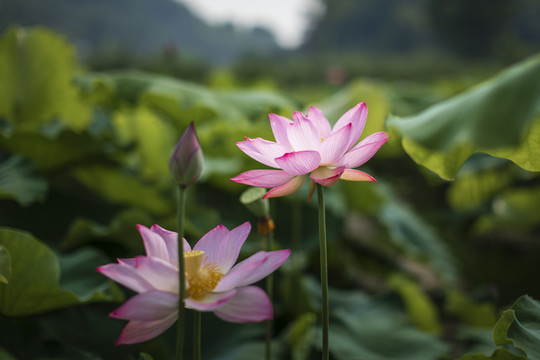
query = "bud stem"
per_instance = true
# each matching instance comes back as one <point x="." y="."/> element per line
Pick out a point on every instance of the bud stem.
<point x="181" y="273"/>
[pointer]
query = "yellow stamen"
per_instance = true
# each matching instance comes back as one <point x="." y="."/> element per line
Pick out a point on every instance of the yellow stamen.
<point x="192" y="261"/>
<point x="203" y="279"/>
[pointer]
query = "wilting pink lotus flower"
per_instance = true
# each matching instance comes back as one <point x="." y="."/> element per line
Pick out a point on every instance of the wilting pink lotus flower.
<point x="309" y="145"/>
<point x="212" y="282"/>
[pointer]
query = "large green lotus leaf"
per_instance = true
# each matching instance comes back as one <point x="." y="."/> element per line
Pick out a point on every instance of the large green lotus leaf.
<point x="121" y="187"/>
<point x="514" y="208"/>
<point x="34" y="285"/>
<point x="5" y="265"/>
<point x="36" y="68"/>
<point x="154" y="138"/>
<point x="19" y="181"/>
<point x="448" y="163"/>
<point x="48" y="154"/>
<point x="479" y="180"/>
<point x="520" y="326"/>
<point x="491" y="115"/>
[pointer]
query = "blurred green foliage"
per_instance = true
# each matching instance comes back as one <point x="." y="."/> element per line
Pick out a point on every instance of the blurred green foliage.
<point x="419" y="267"/>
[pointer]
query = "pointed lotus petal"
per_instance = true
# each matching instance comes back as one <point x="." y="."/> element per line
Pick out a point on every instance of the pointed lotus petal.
<point x="241" y="271"/>
<point x="292" y="186"/>
<point x="126" y="275"/>
<point x="211" y="301"/>
<point x="320" y="122"/>
<point x="279" y="126"/>
<point x="139" y="331"/>
<point x="153" y="243"/>
<point x="263" y="178"/>
<point x="171" y="242"/>
<point x="161" y="274"/>
<point x="326" y="176"/>
<point x="211" y="242"/>
<point x="356" y="175"/>
<point x="357" y="118"/>
<point x="148" y="306"/>
<point x="250" y="304"/>
<point x="302" y="134"/>
<point x="223" y="247"/>
<point x="263" y="151"/>
<point x="363" y="151"/>
<point x="253" y="269"/>
<point x="230" y="248"/>
<point x="299" y="163"/>
<point x="335" y="145"/>
<point x="274" y="259"/>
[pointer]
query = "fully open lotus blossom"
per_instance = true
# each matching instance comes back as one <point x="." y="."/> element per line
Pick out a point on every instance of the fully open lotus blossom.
<point x="213" y="282"/>
<point x="309" y="145"/>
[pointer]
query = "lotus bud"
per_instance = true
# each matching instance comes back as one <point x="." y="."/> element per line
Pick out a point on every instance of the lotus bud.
<point x="186" y="163"/>
<point x="252" y="198"/>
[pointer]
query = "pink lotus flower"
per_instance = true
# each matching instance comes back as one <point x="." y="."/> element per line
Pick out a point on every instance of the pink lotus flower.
<point x="309" y="145"/>
<point x="212" y="282"/>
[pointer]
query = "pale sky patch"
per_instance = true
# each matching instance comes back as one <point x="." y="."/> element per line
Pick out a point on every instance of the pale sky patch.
<point x="288" y="20"/>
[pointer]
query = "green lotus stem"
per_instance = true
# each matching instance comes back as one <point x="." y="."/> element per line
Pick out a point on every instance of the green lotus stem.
<point x="181" y="273"/>
<point x="324" y="272"/>
<point x="296" y="235"/>
<point x="196" y="335"/>
<point x="267" y="244"/>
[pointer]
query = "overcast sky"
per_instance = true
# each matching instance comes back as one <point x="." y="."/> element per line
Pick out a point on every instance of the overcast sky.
<point x="286" y="19"/>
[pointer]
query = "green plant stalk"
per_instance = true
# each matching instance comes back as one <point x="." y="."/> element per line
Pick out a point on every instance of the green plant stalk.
<point x="269" y="323"/>
<point x="324" y="272"/>
<point x="196" y="335"/>
<point x="296" y="235"/>
<point x="267" y="244"/>
<point x="181" y="274"/>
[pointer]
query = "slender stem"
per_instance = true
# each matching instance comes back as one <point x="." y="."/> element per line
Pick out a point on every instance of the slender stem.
<point x="267" y="244"/>
<point x="196" y="335"/>
<point x="296" y="235"/>
<point x="181" y="274"/>
<point x="324" y="272"/>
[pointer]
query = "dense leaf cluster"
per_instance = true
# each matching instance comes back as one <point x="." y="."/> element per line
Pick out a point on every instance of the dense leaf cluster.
<point x="84" y="157"/>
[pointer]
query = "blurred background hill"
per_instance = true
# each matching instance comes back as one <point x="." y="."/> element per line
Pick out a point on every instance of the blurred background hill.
<point x="140" y="28"/>
<point x="378" y="38"/>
